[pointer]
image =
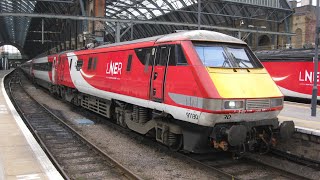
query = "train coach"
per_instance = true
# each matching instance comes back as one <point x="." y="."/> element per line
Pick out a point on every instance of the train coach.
<point x="27" y="67"/>
<point x="192" y="90"/>
<point x="292" y="71"/>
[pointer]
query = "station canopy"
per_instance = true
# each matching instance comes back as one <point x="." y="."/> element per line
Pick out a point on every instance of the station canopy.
<point x="148" y="18"/>
<point x="215" y="15"/>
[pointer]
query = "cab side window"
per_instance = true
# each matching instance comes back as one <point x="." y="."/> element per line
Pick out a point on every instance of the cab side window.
<point x="179" y="56"/>
<point x="171" y="54"/>
<point x="79" y="65"/>
<point x="144" y="55"/>
<point x="161" y="55"/>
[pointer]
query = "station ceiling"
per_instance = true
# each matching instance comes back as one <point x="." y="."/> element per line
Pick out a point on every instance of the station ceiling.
<point x="24" y="31"/>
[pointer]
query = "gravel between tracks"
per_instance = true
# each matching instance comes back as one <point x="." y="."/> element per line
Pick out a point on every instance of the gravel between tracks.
<point x="146" y="161"/>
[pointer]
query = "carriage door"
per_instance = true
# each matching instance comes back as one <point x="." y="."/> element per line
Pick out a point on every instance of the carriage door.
<point x="159" y="73"/>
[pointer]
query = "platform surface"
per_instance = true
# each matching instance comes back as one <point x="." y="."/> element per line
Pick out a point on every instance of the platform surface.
<point x="301" y="115"/>
<point x="21" y="157"/>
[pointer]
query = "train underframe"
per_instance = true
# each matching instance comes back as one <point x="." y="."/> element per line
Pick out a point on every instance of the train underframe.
<point x="257" y="136"/>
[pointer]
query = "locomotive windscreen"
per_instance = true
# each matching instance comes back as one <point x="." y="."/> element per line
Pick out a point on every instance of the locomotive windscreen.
<point x="226" y="56"/>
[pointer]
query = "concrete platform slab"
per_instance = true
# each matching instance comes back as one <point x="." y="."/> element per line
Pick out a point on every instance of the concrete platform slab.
<point x="21" y="157"/>
<point x="301" y="115"/>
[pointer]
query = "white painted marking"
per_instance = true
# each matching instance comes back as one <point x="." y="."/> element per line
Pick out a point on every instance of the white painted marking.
<point x="3" y="109"/>
<point x="4" y="112"/>
<point x="308" y="131"/>
<point x="41" y="60"/>
<point x="46" y="164"/>
<point x="279" y="78"/>
<point x="43" y="75"/>
<point x="28" y="177"/>
<point x="86" y="75"/>
<point x="1" y="169"/>
<point x="288" y="92"/>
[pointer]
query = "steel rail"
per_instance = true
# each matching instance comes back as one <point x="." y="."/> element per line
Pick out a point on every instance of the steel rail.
<point x="42" y="144"/>
<point x="126" y="172"/>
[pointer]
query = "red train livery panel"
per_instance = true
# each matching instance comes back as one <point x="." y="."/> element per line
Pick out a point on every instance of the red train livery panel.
<point x="190" y="90"/>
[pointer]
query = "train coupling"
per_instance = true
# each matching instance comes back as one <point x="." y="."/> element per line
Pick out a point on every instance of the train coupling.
<point x="242" y="137"/>
<point x="224" y="136"/>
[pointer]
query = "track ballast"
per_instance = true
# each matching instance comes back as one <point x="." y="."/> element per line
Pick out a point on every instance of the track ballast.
<point x="73" y="155"/>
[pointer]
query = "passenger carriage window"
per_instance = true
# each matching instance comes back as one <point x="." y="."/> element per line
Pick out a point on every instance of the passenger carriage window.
<point x="129" y="62"/>
<point x="42" y="66"/>
<point x="49" y="65"/>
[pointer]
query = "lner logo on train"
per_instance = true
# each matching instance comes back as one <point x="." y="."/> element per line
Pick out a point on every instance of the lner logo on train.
<point x="114" y="68"/>
<point x="308" y="76"/>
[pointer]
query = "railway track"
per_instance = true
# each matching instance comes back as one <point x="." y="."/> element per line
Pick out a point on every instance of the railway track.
<point x="73" y="155"/>
<point x="244" y="168"/>
<point x="253" y="166"/>
<point x="250" y="167"/>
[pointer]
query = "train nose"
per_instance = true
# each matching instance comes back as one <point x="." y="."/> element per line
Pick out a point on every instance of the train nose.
<point x="286" y="129"/>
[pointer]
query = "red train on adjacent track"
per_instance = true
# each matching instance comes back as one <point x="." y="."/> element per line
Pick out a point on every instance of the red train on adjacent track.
<point x="292" y="70"/>
<point x="190" y="90"/>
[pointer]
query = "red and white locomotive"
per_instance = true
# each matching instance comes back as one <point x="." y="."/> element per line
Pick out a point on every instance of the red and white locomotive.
<point x="190" y="90"/>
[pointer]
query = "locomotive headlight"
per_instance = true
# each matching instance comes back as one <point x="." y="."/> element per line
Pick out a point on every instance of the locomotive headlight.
<point x="234" y="104"/>
<point x="276" y="102"/>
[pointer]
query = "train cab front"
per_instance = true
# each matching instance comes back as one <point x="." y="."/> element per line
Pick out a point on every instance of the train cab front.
<point x="246" y="117"/>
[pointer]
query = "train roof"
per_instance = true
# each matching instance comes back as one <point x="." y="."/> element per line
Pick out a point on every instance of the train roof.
<point x="194" y="35"/>
<point x="286" y="54"/>
<point x="200" y="35"/>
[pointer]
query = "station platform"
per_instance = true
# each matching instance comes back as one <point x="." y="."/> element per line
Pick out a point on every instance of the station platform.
<point x="21" y="157"/>
<point x="301" y="115"/>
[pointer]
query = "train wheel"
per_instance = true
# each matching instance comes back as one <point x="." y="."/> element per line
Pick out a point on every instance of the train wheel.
<point x="240" y="153"/>
<point x="76" y="101"/>
<point x="51" y="90"/>
<point x="175" y="141"/>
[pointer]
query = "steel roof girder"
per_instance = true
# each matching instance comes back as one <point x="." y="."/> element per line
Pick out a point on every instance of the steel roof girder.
<point x="126" y="21"/>
<point x="125" y="9"/>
